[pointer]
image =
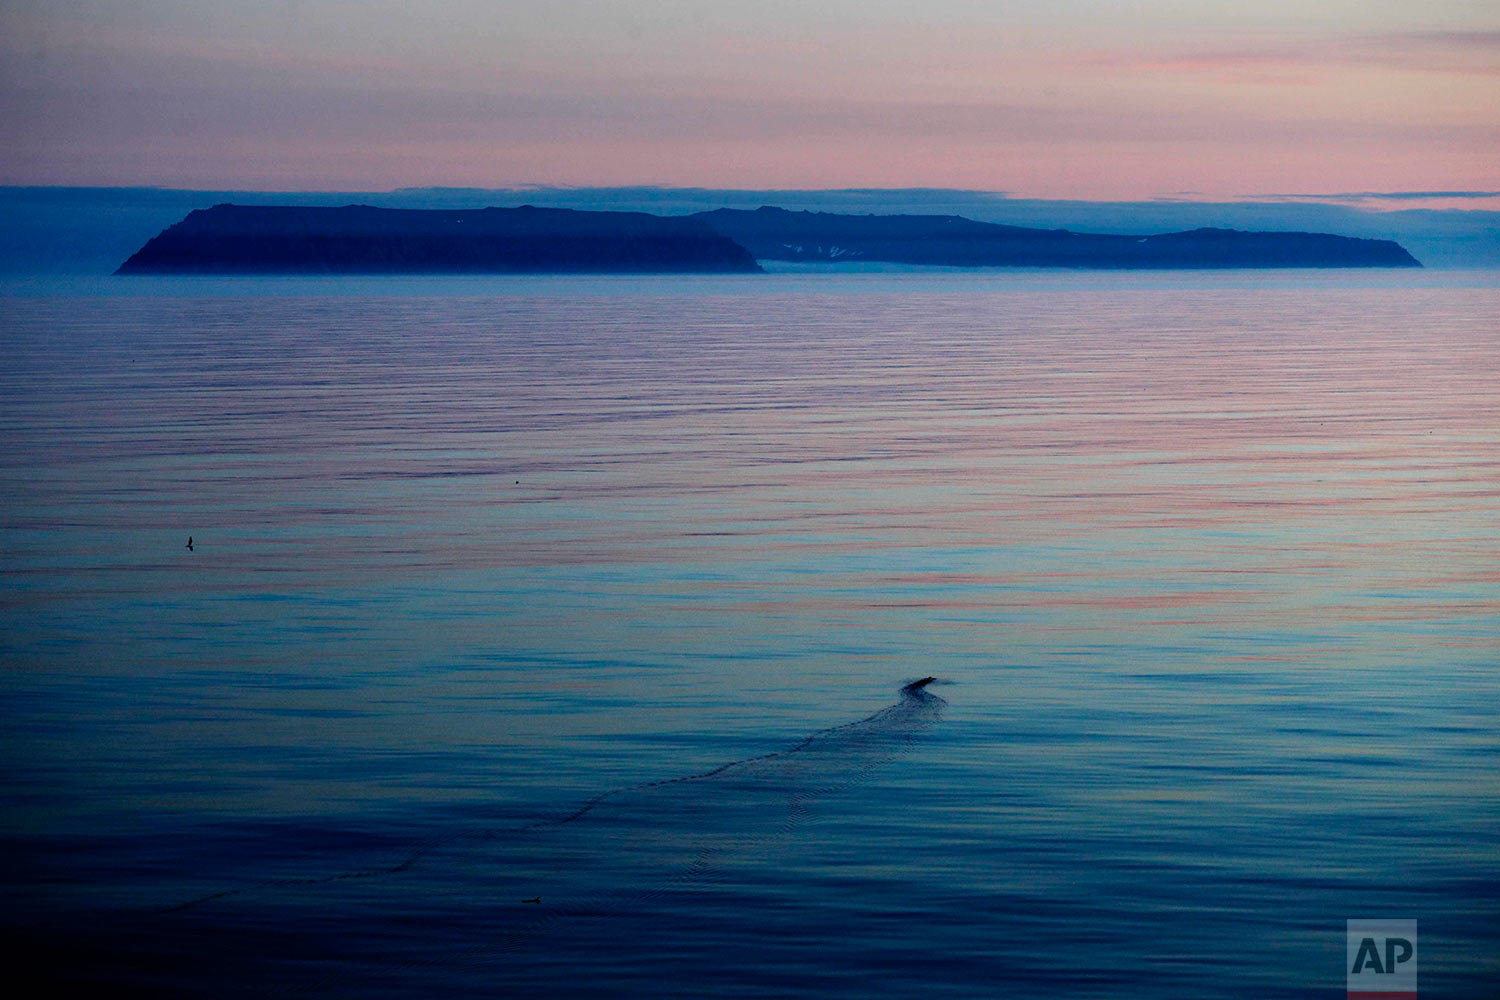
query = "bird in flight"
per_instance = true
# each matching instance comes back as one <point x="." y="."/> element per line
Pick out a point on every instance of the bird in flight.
<point x="190" y="543"/>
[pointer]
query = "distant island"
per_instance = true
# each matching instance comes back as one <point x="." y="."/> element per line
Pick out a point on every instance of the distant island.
<point x="360" y="239"/>
<point x="777" y="234"/>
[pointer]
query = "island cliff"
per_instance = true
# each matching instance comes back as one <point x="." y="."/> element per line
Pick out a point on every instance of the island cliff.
<point x="777" y="234"/>
<point x="359" y="239"/>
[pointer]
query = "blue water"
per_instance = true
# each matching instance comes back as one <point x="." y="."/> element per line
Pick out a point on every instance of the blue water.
<point x="491" y="578"/>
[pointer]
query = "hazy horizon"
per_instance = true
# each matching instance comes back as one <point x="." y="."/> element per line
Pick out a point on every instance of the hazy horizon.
<point x="91" y="230"/>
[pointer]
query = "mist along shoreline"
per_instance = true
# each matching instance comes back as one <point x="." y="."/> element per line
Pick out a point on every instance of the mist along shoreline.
<point x="359" y="239"/>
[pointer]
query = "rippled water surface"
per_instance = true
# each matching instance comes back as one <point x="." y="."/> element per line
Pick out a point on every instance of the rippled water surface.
<point x="491" y="582"/>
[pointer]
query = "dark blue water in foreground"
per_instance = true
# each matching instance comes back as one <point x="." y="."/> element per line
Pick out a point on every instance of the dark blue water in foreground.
<point x="1206" y="566"/>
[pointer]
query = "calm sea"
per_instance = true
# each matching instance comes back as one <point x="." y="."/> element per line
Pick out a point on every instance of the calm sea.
<point x="602" y="593"/>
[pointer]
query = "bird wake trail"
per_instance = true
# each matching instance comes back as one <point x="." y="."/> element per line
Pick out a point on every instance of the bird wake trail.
<point x="637" y="842"/>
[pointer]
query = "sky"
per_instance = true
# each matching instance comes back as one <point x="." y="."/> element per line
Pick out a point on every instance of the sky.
<point x="1384" y="101"/>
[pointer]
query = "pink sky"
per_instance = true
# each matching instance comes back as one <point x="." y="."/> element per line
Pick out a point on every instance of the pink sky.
<point x="1092" y="100"/>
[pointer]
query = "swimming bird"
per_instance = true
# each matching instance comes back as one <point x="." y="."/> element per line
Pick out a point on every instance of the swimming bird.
<point x="533" y="899"/>
<point x="190" y="543"/>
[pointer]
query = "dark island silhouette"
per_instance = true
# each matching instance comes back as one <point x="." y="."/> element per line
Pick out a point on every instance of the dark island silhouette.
<point x="777" y="234"/>
<point x="359" y="239"/>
